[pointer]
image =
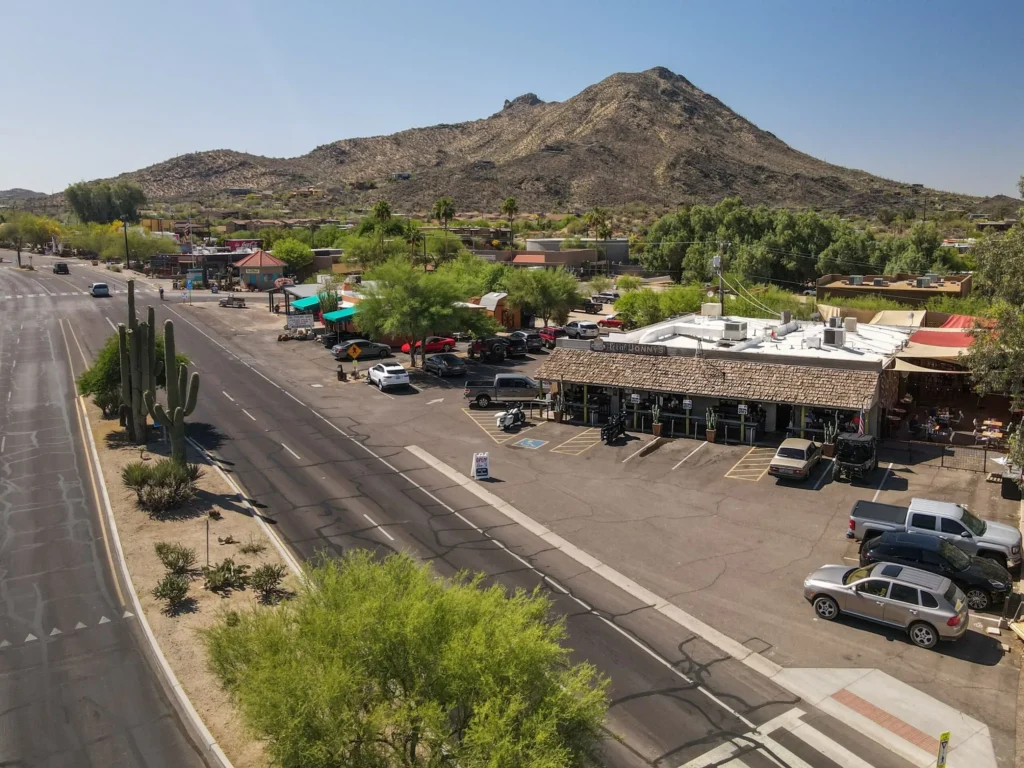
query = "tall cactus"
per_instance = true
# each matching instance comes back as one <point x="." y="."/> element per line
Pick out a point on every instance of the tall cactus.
<point x="140" y="368"/>
<point x="182" y="393"/>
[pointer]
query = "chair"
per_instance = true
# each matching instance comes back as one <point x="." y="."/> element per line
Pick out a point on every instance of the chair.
<point x="956" y="422"/>
<point x="980" y="439"/>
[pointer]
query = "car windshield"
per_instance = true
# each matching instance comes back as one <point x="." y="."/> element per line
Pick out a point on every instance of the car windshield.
<point x="974" y="525"/>
<point x="790" y="453"/>
<point x="448" y="359"/>
<point x="856" y="575"/>
<point x="954" y="556"/>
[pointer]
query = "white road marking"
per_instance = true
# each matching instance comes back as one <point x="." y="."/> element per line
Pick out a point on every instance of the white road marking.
<point x="30" y="638"/>
<point x="3" y="442"/>
<point x="110" y="322"/>
<point x="4" y="643"/>
<point x="293" y="453"/>
<point x="248" y="414"/>
<point x="884" y="478"/>
<point x="103" y="620"/>
<point x="127" y="615"/>
<point x="229" y="397"/>
<point x="433" y="402"/>
<point x="827" y="747"/>
<point x="375" y="525"/>
<point x="293" y="397"/>
<point x="55" y="631"/>
<point x="79" y="625"/>
<point x="821" y="479"/>
<point x="636" y="452"/>
<point x="689" y="454"/>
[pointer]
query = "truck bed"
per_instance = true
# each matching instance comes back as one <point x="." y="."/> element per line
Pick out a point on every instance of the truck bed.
<point x="883" y="513"/>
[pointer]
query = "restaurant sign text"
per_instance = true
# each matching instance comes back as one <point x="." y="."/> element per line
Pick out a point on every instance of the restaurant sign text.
<point x="600" y="345"/>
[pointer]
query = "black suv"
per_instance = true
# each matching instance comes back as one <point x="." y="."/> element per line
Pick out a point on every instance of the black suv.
<point x="983" y="581"/>
<point x="60" y="268"/>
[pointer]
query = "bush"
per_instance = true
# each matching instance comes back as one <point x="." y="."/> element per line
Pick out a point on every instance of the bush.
<point x="173" y="588"/>
<point x="177" y="559"/>
<point x="225" y="576"/>
<point x="162" y="485"/>
<point x="266" y="581"/>
<point x="114" y="267"/>
<point x="252" y="546"/>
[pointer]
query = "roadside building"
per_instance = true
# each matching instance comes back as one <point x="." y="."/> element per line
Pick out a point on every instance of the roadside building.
<point x="757" y="377"/>
<point x="614" y="249"/>
<point x="260" y="270"/>
<point x="901" y="287"/>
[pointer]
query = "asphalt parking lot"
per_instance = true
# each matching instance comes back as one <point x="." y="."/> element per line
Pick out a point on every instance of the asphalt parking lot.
<point x="702" y="525"/>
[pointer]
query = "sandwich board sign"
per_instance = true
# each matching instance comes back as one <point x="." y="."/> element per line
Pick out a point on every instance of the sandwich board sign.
<point x="481" y="466"/>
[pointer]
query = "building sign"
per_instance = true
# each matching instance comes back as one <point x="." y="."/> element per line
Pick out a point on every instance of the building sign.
<point x="634" y="398"/>
<point x="600" y="345"/>
<point x="481" y="469"/>
<point x="741" y="410"/>
<point x="687" y="405"/>
<point x="300" y="321"/>
<point x="237" y="245"/>
<point x="252" y="271"/>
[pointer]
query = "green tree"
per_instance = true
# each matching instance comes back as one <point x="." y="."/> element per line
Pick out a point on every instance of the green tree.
<point x="296" y="254"/>
<point x="104" y="202"/>
<point x="640" y="308"/>
<point x="599" y="283"/>
<point x="444" y="211"/>
<point x="382" y="663"/>
<point x="474" y="276"/>
<point x="510" y="208"/>
<point x="629" y="283"/>
<point x="102" y="380"/>
<point x="13" y="235"/>
<point x="550" y="293"/>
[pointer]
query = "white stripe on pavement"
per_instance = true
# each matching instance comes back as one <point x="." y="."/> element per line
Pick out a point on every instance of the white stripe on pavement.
<point x="293" y="453"/>
<point x="828" y="748"/>
<point x="689" y="454"/>
<point x="375" y="525"/>
<point x="248" y="414"/>
<point x="110" y="322"/>
<point x="229" y="397"/>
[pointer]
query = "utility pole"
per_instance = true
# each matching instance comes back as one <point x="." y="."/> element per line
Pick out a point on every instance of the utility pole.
<point x="125" y="244"/>
<point x="716" y="265"/>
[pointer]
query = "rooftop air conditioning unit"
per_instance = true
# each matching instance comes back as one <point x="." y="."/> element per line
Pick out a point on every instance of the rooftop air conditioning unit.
<point x="923" y="282"/>
<point x="735" y="330"/>
<point x="711" y="309"/>
<point x="834" y="337"/>
<point x="878" y="282"/>
<point x="813" y="342"/>
<point x="835" y="322"/>
<point x="856" y="279"/>
<point x="850" y="324"/>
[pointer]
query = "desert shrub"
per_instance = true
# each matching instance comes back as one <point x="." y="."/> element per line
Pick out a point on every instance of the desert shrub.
<point x="252" y="546"/>
<point x="173" y="588"/>
<point x="108" y="402"/>
<point x="162" y="485"/>
<point x="114" y="267"/>
<point x="177" y="558"/>
<point x="225" y="576"/>
<point x="266" y="581"/>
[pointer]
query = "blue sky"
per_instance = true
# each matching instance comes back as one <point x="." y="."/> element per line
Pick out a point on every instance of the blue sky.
<point x="924" y="92"/>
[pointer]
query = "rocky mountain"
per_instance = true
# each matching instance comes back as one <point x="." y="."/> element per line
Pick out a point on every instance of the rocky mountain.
<point x="19" y="194"/>
<point x="650" y="137"/>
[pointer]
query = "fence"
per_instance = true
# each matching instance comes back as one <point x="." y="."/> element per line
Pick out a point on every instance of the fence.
<point x="967" y="457"/>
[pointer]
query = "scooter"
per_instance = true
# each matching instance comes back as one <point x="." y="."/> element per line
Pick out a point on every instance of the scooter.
<point x="512" y="418"/>
<point x="616" y="426"/>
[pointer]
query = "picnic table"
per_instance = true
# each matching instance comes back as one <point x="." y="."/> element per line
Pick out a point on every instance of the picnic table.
<point x="992" y="423"/>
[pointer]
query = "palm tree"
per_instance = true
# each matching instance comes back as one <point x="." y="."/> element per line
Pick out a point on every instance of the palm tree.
<point x="382" y="215"/>
<point x="414" y="237"/>
<point x="444" y="211"/>
<point x="510" y="208"/>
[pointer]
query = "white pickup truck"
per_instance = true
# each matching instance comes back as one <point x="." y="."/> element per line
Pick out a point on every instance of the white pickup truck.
<point x="953" y="522"/>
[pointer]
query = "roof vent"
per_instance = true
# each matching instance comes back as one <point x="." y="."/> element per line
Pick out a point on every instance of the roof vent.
<point x="735" y="330"/>
<point x="834" y="337"/>
<point x="785" y="316"/>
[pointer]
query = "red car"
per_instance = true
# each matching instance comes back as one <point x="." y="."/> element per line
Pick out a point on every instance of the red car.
<point x="434" y="344"/>
<point x="549" y="334"/>
<point x="610" y="322"/>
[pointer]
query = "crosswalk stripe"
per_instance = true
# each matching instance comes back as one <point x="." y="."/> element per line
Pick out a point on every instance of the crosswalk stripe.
<point x="827" y="747"/>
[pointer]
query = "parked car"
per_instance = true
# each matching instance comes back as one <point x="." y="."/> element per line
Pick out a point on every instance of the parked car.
<point x="503" y="388"/>
<point x="611" y="321"/>
<point x="927" y="606"/>
<point x="510" y="347"/>
<point x="581" y="329"/>
<point x="367" y="348"/>
<point x="953" y="522"/>
<point x="590" y="307"/>
<point x="532" y="340"/>
<point x="550" y="334"/>
<point x="99" y="289"/>
<point x="607" y="297"/>
<point x="981" y="580"/>
<point x="61" y="268"/>
<point x="795" y="459"/>
<point x="445" y="364"/>
<point x="434" y="344"/>
<point x="388" y="376"/>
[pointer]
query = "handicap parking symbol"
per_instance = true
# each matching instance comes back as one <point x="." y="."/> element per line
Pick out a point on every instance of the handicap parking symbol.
<point x="530" y="443"/>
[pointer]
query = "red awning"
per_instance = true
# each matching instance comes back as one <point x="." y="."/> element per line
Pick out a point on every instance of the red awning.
<point x="966" y="321"/>
<point x="942" y="338"/>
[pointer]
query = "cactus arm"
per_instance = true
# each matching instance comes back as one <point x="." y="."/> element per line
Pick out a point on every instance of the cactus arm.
<point x="192" y="393"/>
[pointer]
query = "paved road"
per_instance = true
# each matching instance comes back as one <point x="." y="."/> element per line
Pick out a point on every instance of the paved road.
<point x="75" y="688"/>
<point x="674" y="698"/>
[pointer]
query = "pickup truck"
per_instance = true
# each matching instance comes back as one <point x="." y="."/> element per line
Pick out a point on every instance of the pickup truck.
<point x="953" y="522"/>
<point x="503" y="388"/>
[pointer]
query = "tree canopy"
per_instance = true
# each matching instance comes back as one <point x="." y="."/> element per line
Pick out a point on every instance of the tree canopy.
<point x="295" y="253"/>
<point x="104" y="201"/>
<point x="107" y="241"/>
<point x="380" y="664"/>
<point x="444" y="210"/>
<point x="550" y="293"/>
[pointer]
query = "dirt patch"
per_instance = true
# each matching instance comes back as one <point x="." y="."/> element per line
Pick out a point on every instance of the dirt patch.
<point x="178" y="636"/>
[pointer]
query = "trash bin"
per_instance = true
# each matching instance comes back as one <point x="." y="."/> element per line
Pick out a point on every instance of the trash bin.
<point x="329" y="339"/>
<point x="341" y="372"/>
<point x="1009" y="489"/>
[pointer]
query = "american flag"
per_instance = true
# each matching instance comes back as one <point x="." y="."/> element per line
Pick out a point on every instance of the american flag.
<point x="860" y="424"/>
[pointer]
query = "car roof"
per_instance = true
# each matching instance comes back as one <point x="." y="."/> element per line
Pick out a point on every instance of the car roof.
<point x="585" y="322"/>
<point x="796" y="442"/>
<point x="393" y="366"/>
<point x="912" y="576"/>
<point x="922" y="540"/>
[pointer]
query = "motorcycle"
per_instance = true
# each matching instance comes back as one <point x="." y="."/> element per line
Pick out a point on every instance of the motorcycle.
<point x="615" y="427"/>
<point x="510" y="419"/>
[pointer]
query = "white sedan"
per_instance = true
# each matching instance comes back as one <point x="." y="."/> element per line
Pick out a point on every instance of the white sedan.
<point x="387" y="375"/>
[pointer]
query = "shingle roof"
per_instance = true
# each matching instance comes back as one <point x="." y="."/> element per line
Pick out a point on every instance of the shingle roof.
<point x="259" y="259"/>
<point x="733" y="379"/>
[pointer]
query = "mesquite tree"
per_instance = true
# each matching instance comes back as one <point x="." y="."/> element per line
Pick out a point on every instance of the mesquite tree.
<point x="182" y="393"/>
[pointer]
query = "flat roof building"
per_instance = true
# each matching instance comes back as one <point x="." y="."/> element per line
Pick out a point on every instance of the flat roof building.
<point x="901" y="287"/>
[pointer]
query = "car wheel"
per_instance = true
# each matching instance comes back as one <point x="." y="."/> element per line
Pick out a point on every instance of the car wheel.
<point x="446" y="348"/>
<point x="380" y="385"/>
<point x="483" y="401"/>
<point x="978" y="599"/>
<point x="923" y="635"/>
<point x="826" y="607"/>
<point x="383" y="353"/>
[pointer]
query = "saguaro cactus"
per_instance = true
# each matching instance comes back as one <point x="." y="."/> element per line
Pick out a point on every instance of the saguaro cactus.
<point x="182" y="393"/>
<point x="140" y="368"/>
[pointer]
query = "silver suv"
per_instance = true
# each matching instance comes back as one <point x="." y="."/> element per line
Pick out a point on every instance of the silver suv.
<point x="927" y="606"/>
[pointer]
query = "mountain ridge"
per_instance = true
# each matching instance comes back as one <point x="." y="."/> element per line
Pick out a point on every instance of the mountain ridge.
<point x="650" y="137"/>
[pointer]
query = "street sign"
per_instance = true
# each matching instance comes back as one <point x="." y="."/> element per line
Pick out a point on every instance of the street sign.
<point x="481" y="469"/>
<point x="533" y="445"/>
<point x="188" y="284"/>
<point x="940" y="761"/>
<point x="300" y="321"/>
<point x="354" y="351"/>
<point x="741" y="410"/>
<point x="634" y="398"/>
<point x="687" y="405"/>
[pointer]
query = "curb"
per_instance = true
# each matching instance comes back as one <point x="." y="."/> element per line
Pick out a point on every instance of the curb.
<point x="185" y="704"/>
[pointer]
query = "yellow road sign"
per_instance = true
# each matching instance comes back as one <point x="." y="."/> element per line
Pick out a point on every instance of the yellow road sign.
<point x="940" y="761"/>
<point x="354" y="351"/>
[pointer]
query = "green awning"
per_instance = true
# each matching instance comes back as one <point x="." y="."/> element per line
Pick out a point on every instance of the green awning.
<point x="339" y="314"/>
<point x="310" y="302"/>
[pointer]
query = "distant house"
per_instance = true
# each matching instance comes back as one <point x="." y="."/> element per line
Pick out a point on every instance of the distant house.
<point x="615" y="249"/>
<point x="403" y="176"/>
<point x="260" y="269"/>
<point x="998" y="226"/>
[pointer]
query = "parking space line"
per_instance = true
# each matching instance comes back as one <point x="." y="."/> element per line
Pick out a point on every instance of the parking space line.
<point x="828" y="468"/>
<point x="753" y="466"/>
<point x="578" y="444"/>
<point x="689" y="455"/>
<point x="636" y="452"/>
<point x="485" y="420"/>
<point x="882" y="484"/>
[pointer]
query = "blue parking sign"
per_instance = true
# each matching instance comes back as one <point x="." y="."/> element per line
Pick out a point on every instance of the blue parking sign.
<point x="188" y="284"/>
